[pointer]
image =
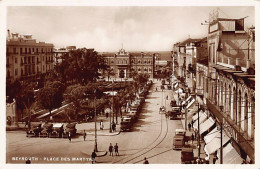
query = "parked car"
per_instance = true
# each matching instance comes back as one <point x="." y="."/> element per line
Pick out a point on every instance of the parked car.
<point x="34" y="130"/>
<point x="187" y="156"/>
<point x="57" y="130"/>
<point x="70" y="128"/>
<point x="47" y="129"/>
<point x="126" y="123"/>
<point x="179" y="139"/>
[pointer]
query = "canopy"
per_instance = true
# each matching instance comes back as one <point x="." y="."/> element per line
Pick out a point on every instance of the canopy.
<point x="214" y="144"/>
<point x="58" y="125"/>
<point x="179" y="90"/>
<point x="195" y="117"/>
<point x="230" y="155"/>
<point x="202" y="118"/>
<point x="206" y="125"/>
<point x="211" y="135"/>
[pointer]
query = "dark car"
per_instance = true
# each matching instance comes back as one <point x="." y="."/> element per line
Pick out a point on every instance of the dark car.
<point x="34" y="130"/>
<point x="187" y="156"/>
<point x="47" y="129"/>
<point x="126" y="123"/>
<point x="57" y="130"/>
<point x="70" y="128"/>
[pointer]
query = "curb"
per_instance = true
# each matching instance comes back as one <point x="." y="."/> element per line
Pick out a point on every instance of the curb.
<point x="103" y="134"/>
<point x="99" y="153"/>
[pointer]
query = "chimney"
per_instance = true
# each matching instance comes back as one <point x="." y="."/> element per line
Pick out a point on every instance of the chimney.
<point x="8" y="32"/>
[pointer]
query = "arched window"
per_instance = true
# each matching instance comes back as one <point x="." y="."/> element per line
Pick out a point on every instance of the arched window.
<point x="239" y="105"/>
<point x="245" y="112"/>
<point x="234" y="104"/>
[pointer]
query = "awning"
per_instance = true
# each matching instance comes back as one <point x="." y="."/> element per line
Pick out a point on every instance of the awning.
<point x="214" y="144"/>
<point x="176" y="85"/>
<point x="211" y="135"/>
<point x="206" y="125"/>
<point x="195" y="117"/>
<point x="230" y="155"/>
<point x="192" y="111"/>
<point x="180" y="90"/>
<point x="202" y="118"/>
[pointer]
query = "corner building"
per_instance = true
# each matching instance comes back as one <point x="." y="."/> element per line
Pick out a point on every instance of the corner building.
<point x="26" y="58"/>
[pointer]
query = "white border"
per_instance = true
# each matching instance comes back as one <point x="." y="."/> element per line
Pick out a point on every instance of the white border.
<point x="5" y="3"/>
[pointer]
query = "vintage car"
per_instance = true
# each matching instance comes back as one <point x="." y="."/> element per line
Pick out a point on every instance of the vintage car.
<point x="47" y="129"/>
<point x="34" y="130"/>
<point x="179" y="139"/>
<point x="133" y="116"/>
<point x="187" y="155"/>
<point x="70" y="128"/>
<point x="174" y="114"/>
<point x="57" y="131"/>
<point x="126" y="123"/>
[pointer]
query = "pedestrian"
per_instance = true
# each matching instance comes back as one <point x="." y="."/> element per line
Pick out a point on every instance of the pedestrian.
<point x="214" y="159"/>
<point x="101" y="125"/>
<point x="146" y="161"/>
<point x="192" y="138"/>
<point x="28" y="161"/>
<point x="116" y="149"/>
<point x="207" y="159"/>
<point x="189" y="126"/>
<point x="113" y="126"/>
<point x="26" y="123"/>
<point x="69" y="136"/>
<point x="84" y="135"/>
<point x="110" y="150"/>
<point x="93" y="156"/>
<point x="167" y="97"/>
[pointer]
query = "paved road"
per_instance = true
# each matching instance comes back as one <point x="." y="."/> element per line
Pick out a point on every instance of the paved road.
<point x="151" y="137"/>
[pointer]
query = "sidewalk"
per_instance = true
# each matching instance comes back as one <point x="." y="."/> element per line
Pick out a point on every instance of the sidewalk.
<point x="90" y="127"/>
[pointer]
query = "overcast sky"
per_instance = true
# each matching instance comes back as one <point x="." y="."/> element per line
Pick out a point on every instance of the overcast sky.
<point x="106" y="28"/>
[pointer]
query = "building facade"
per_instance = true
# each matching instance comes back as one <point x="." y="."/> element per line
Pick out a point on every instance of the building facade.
<point x="130" y="63"/>
<point x="224" y="84"/>
<point x="26" y="58"/>
<point x="231" y="81"/>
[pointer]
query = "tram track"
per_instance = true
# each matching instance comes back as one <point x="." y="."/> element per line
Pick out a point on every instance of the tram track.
<point x="147" y="148"/>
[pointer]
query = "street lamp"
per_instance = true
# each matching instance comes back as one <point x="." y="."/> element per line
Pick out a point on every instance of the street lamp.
<point x="95" y="148"/>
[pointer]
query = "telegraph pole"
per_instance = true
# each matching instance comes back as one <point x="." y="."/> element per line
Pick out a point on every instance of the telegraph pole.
<point x="198" y="132"/>
<point x="221" y="143"/>
<point x="96" y="150"/>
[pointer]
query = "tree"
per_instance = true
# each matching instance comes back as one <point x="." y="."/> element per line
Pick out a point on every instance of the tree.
<point x="109" y="72"/>
<point x="75" y="95"/>
<point x="26" y="100"/>
<point x="121" y="75"/>
<point x="49" y="98"/>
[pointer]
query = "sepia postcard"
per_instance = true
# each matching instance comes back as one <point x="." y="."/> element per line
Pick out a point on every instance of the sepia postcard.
<point x="130" y="84"/>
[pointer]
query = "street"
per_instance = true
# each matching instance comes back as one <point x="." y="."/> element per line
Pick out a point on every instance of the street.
<point x="150" y="137"/>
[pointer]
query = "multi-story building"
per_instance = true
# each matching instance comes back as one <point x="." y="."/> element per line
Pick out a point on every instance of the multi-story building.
<point x="185" y="58"/>
<point x="26" y="58"/>
<point x="130" y="62"/>
<point x="60" y="52"/>
<point x="231" y="81"/>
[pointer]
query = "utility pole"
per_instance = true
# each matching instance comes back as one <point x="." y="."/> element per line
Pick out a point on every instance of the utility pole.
<point x="96" y="150"/>
<point x="198" y="131"/>
<point x="110" y="129"/>
<point x="221" y="143"/>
